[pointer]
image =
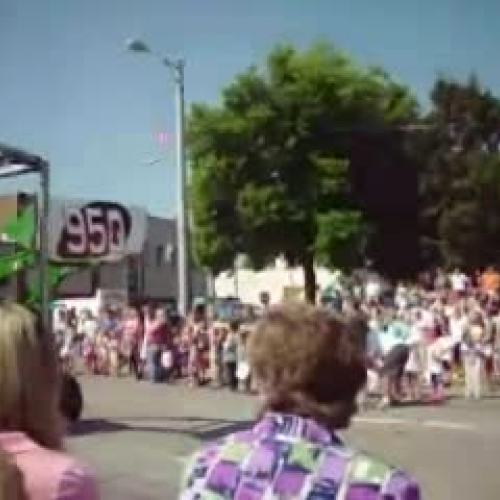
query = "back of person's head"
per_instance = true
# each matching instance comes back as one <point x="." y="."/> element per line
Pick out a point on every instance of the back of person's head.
<point x="306" y="361"/>
<point x="234" y="326"/>
<point x="11" y="479"/>
<point x="199" y="311"/>
<point x="29" y="382"/>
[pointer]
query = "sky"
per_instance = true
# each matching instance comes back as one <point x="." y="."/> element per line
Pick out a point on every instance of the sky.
<point x="70" y="92"/>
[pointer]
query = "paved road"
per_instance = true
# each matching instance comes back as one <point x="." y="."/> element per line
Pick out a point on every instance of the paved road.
<point x="137" y="437"/>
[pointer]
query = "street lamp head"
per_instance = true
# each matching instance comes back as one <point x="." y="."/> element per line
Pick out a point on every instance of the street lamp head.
<point x="15" y="169"/>
<point x="136" y="45"/>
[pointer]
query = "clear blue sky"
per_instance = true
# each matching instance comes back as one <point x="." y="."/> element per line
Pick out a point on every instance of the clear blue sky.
<point x="70" y="92"/>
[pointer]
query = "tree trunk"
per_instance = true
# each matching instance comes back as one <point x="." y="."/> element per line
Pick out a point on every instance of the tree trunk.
<point x="309" y="280"/>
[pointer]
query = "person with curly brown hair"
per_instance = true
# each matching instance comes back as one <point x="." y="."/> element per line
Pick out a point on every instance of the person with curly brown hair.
<point x="308" y="365"/>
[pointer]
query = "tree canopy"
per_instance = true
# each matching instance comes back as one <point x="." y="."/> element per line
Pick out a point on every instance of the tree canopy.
<point x="460" y="177"/>
<point x="271" y="162"/>
<point x="319" y="160"/>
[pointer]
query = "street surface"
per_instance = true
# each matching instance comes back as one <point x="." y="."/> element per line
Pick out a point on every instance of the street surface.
<point x="137" y="436"/>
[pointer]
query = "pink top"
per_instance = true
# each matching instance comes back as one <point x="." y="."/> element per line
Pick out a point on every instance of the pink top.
<point x="132" y="331"/>
<point x="48" y="475"/>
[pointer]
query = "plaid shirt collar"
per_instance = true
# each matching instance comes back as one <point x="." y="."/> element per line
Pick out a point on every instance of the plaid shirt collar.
<point x="294" y="426"/>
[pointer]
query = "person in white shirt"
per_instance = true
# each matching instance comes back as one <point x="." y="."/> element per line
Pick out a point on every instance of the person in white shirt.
<point x="373" y="290"/>
<point x="401" y="297"/>
<point x="459" y="282"/>
<point x="458" y="325"/>
<point x="496" y="346"/>
<point x="60" y="325"/>
<point x="230" y="355"/>
<point x="472" y="360"/>
<point x="427" y="319"/>
<point x="488" y="351"/>
<point x="88" y="325"/>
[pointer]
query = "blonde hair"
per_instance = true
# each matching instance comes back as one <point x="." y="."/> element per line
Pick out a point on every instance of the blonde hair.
<point x="308" y="362"/>
<point x="11" y="479"/>
<point x="29" y="381"/>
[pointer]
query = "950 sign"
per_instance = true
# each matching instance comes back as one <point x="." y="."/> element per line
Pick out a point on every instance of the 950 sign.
<point x="94" y="230"/>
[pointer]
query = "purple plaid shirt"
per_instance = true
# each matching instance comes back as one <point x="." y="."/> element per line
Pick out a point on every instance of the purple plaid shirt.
<point x="289" y="457"/>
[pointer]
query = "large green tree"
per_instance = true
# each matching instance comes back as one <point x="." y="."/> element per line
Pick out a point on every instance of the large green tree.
<point x="460" y="181"/>
<point x="270" y="162"/>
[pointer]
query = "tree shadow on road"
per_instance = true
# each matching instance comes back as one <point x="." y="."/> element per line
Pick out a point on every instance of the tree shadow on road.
<point x="204" y="429"/>
<point x="158" y="418"/>
<point x="225" y="429"/>
<point x="95" y="426"/>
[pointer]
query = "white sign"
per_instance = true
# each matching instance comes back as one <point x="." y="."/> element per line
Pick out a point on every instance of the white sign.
<point x="104" y="298"/>
<point x="112" y="299"/>
<point x="95" y="231"/>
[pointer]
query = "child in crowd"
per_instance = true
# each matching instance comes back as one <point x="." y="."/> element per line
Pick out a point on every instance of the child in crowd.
<point x="472" y="361"/>
<point x="436" y="371"/>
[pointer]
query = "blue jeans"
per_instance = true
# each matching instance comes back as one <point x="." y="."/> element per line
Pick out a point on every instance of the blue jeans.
<point x="155" y="369"/>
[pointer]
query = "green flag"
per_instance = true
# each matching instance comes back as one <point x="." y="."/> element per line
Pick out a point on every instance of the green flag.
<point x="22" y="229"/>
<point x="10" y="264"/>
<point x="56" y="274"/>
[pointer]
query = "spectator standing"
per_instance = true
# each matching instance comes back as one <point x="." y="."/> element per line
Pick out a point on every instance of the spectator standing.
<point x="243" y="367"/>
<point x="31" y="430"/>
<point x="159" y="339"/>
<point x="230" y="355"/>
<point x="199" y="348"/>
<point x="133" y="333"/>
<point x="472" y="355"/>
<point x="308" y="372"/>
<point x="216" y="365"/>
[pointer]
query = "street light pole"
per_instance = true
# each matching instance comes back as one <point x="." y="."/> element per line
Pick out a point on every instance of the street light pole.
<point x="43" y="222"/>
<point x="183" y="251"/>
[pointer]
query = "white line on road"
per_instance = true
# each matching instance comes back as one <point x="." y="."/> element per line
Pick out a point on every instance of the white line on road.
<point x="436" y="424"/>
<point x="459" y="426"/>
<point x="381" y="420"/>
